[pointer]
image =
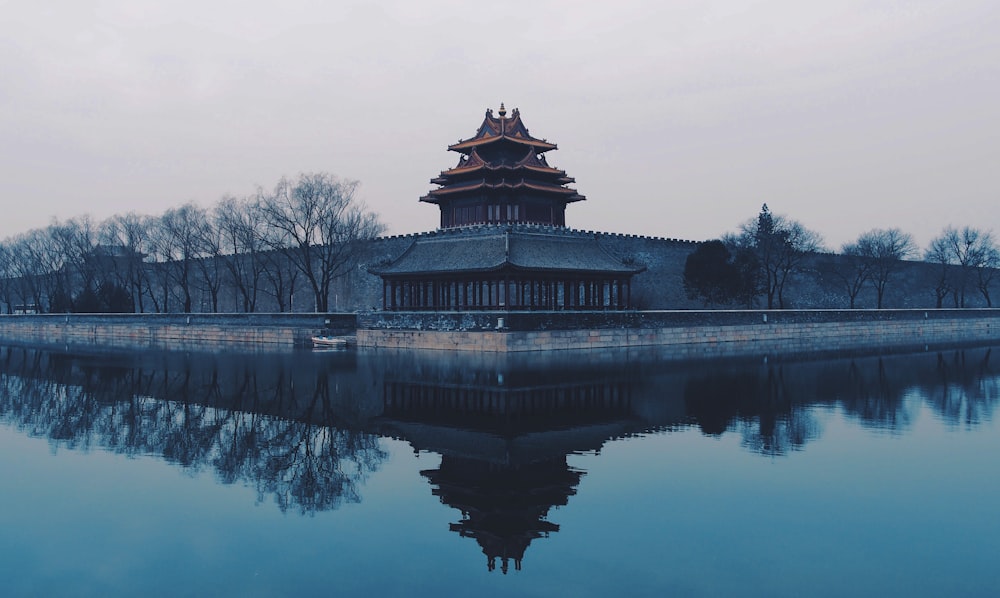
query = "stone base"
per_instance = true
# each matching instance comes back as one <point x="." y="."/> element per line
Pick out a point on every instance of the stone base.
<point x="706" y="340"/>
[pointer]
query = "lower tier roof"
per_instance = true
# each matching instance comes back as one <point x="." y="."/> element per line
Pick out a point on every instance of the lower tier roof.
<point x="498" y="248"/>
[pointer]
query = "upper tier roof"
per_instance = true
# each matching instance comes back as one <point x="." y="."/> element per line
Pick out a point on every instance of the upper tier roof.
<point x="500" y="129"/>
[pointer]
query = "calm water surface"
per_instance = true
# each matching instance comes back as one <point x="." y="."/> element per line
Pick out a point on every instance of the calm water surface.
<point x="374" y="473"/>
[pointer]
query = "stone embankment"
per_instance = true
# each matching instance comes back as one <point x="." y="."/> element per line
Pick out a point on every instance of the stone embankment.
<point x="678" y="334"/>
<point x="174" y="331"/>
<point x="681" y="333"/>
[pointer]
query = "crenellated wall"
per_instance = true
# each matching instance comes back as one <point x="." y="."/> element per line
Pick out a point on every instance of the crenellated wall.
<point x="816" y="285"/>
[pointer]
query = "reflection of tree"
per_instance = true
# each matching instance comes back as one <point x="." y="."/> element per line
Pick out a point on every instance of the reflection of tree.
<point x="874" y="394"/>
<point x="778" y="436"/>
<point x="759" y="401"/>
<point x="284" y="433"/>
<point x="771" y="405"/>
<point x="967" y="388"/>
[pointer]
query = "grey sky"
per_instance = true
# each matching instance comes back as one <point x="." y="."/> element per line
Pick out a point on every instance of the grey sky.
<point x="677" y="119"/>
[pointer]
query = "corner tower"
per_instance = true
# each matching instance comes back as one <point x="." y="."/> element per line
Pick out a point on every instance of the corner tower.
<point x="502" y="177"/>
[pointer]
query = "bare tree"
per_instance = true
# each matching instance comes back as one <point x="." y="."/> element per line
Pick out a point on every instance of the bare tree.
<point x="210" y="264"/>
<point x="986" y="272"/>
<point x="239" y="224"/>
<point x="281" y="276"/>
<point x="975" y="254"/>
<point x="39" y="268"/>
<point x="74" y="240"/>
<point x="938" y="253"/>
<point x="7" y="277"/>
<point x="317" y="224"/>
<point x="128" y="239"/>
<point x="883" y="250"/>
<point x="178" y="244"/>
<point x="781" y="245"/>
<point x="851" y="270"/>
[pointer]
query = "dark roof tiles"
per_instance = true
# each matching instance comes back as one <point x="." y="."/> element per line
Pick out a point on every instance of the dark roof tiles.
<point x="500" y="249"/>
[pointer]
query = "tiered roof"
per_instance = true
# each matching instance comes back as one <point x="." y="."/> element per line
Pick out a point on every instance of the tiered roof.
<point x="494" y="129"/>
<point x="502" y="163"/>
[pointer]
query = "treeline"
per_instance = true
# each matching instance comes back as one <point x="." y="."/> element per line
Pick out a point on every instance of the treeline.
<point x="755" y="266"/>
<point x="303" y="233"/>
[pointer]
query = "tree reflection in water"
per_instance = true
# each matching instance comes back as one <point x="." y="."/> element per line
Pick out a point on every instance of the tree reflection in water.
<point x="304" y="429"/>
<point x="273" y="429"/>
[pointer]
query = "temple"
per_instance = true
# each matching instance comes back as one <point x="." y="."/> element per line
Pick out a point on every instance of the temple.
<point x="502" y="176"/>
<point x="502" y="242"/>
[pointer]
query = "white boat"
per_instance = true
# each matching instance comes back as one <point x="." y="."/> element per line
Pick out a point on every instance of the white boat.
<point x="324" y="341"/>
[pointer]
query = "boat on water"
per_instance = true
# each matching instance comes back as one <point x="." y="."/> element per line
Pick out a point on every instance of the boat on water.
<point x="328" y="342"/>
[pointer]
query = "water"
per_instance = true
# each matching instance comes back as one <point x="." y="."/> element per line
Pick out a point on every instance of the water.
<point x="374" y="473"/>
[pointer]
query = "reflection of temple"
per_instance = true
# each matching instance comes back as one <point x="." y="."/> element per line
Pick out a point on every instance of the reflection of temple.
<point x="504" y="444"/>
<point x="504" y="507"/>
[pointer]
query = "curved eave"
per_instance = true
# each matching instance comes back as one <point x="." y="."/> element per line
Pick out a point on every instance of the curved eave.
<point x="468" y="144"/>
<point x="546" y="169"/>
<point x="495" y="168"/>
<point x="547" y="188"/>
<point x="567" y="195"/>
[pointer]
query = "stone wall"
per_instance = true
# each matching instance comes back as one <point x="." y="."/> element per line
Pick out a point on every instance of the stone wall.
<point x="661" y="286"/>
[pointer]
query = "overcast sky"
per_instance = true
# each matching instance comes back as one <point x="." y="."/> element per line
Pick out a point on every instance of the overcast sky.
<point x="677" y="119"/>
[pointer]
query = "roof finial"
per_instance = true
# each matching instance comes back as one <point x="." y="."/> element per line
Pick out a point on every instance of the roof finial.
<point x="503" y="111"/>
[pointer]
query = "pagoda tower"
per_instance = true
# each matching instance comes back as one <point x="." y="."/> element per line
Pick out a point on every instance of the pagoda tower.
<point x="502" y="177"/>
<point x="503" y="243"/>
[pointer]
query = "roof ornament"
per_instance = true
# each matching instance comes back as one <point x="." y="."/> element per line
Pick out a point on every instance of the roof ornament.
<point x="503" y="111"/>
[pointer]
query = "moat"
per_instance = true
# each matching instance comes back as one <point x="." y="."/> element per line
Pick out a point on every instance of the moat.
<point x="433" y="473"/>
